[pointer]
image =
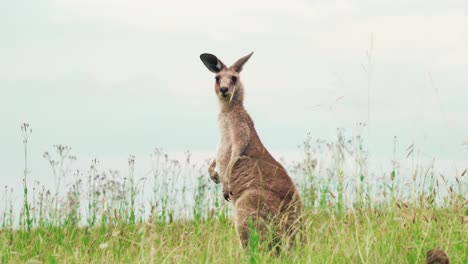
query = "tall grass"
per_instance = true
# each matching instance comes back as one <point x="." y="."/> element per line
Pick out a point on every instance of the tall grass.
<point x="26" y="219"/>
<point x="174" y="213"/>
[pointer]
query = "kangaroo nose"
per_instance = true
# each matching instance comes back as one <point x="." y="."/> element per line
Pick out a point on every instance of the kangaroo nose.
<point x="223" y="90"/>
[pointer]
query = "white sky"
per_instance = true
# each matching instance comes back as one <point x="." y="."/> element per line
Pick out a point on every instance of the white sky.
<point x="112" y="78"/>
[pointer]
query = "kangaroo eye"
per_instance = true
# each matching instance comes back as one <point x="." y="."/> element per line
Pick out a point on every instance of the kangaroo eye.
<point x="234" y="79"/>
<point x="217" y="79"/>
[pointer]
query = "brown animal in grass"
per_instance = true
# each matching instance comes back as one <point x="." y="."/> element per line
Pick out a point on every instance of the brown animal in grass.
<point x="258" y="186"/>
<point x="437" y="256"/>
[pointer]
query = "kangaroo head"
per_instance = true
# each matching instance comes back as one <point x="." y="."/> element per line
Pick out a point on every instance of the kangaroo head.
<point x="228" y="86"/>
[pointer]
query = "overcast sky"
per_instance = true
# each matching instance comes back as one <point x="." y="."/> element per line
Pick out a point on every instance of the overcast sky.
<point x="111" y="78"/>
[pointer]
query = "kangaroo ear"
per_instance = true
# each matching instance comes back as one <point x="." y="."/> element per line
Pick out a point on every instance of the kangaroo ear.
<point x="212" y="63"/>
<point x="239" y="64"/>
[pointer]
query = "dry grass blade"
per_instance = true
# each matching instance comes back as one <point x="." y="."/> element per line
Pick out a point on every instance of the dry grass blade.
<point x="410" y="151"/>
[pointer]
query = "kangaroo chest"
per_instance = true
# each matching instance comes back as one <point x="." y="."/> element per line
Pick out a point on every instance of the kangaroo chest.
<point x="225" y="144"/>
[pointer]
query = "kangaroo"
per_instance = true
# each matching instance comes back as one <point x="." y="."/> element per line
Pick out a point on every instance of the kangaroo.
<point x="258" y="186"/>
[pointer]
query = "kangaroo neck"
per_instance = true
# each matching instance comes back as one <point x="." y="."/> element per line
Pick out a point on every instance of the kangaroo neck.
<point x="231" y="106"/>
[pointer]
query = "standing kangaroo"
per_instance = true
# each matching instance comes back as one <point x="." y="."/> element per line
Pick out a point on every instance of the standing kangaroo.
<point x="258" y="186"/>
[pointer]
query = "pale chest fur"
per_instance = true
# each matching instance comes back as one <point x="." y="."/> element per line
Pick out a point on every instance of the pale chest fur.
<point x="225" y="144"/>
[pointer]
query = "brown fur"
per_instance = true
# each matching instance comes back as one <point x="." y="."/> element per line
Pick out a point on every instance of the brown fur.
<point x="257" y="184"/>
<point x="437" y="256"/>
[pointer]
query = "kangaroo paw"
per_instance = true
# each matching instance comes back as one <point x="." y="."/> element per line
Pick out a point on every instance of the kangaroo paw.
<point x="212" y="172"/>
<point x="227" y="195"/>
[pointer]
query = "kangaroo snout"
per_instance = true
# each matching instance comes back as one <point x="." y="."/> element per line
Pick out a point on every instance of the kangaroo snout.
<point x="224" y="91"/>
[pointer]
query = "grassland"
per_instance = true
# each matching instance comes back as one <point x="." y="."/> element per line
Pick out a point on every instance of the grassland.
<point x="362" y="236"/>
<point x="99" y="217"/>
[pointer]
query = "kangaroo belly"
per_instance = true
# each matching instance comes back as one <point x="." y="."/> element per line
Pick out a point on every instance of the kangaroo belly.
<point x="269" y="181"/>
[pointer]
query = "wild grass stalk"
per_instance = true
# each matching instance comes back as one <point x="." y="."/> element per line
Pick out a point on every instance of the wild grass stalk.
<point x="92" y="193"/>
<point x="28" y="221"/>
<point x="360" y="155"/>
<point x="339" y="157"/>
<point x="60" y="161"/>
<point x="307" y="167"/>
<point x="393" y="174"/>
<point x="132" y="189"/>
<point x="7" y="215"/>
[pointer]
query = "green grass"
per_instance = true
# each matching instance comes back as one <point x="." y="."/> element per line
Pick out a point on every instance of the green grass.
<point x="361" y="236"/>
<point x="102" y="218"/>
